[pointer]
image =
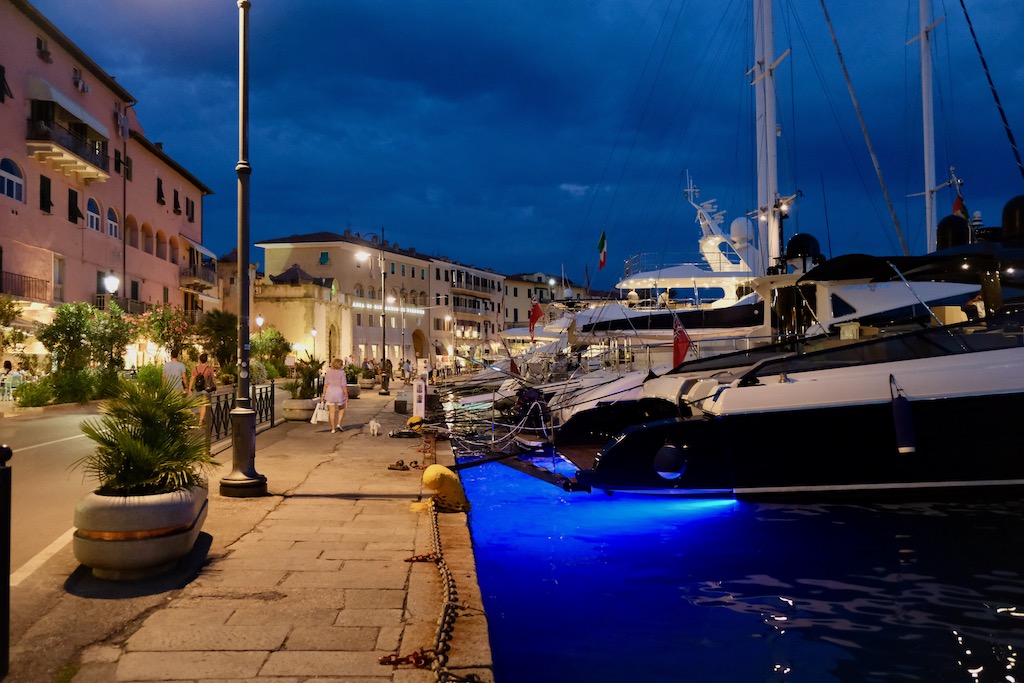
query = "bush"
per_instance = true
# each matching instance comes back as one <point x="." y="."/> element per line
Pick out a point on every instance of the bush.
<point x="369" y="373"/>
<point x="257" y="372"/>
<point x="35" y="394"/>
<point x="73" y="385"/>
<point x="352" y="373"/>
<point x="150" y="375"/>
<point x="271" y="371"/>
<point x="106" y="381"/>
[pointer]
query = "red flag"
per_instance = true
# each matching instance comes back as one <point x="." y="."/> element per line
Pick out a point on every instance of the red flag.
<point x="959" y="208"/>
<point x="680" y="341"/>
<point x="535" y="314"/>
<point x="512" y="367"/>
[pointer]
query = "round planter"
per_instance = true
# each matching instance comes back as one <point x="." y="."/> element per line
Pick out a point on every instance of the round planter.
<point x="298" y="408"/>
<point x="353" y="390"/>
<point x="134" y="537"/>
<point x="367" y="383"/>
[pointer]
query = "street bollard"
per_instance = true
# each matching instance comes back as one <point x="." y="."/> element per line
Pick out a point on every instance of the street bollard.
<point x="5" y="548"/>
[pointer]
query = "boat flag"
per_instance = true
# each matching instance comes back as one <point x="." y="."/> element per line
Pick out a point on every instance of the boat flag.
<point x="513" y="368"/>
<point x="602" y="248"/>
<point x="959" y="208"/>
<point x="535" y="314"/>
<point x="680" y="341"/>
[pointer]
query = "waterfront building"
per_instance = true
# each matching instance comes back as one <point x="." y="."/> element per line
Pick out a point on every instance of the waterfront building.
<point x="84" y="194"/>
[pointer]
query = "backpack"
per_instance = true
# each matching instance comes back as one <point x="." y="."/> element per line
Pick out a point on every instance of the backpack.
<point x="200" y="383"/>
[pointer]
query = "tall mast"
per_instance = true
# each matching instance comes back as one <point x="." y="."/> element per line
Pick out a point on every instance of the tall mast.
<point x="769" y="221"/>
<point x="928" y="122"/>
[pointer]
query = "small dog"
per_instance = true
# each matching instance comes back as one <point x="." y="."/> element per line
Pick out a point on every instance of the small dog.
<point x="374" y="427"/>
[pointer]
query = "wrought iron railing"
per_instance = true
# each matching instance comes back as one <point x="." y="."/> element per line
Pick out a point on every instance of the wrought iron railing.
<point x="24" y="286"/>
<point x="92" y="152"/>
<point x="197" y="272"/>
<point x="103" y="301"/>
<point x="261" y="398"/>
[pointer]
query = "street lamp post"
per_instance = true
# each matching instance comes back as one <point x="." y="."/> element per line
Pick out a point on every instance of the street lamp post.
<point x="312" y="333"/>
<point x="243" y="481"/>
<point x="363" y="256"/>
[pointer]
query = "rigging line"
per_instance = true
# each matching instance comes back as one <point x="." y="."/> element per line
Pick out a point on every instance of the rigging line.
<point x="995" y="94"/>
<point x="864" y="130"/>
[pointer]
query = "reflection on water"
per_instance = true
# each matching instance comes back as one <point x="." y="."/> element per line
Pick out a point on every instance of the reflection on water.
<point x="621" y="588"/>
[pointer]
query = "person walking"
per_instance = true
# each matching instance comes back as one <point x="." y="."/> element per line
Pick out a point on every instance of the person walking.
<point x="202" y="380"/>
<point x="336" y="393"/>
<point x="174" y="371"/>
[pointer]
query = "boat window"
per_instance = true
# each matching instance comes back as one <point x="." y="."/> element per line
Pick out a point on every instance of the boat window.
<point x="841" y="307"/>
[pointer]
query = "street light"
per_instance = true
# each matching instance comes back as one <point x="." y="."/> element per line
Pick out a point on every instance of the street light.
<point x="312" y="333"/>
<point x="259" y="322"/>
<point x="111" y="282"/>
<point x="364" y="256"/>
<point x="243" y="481"/>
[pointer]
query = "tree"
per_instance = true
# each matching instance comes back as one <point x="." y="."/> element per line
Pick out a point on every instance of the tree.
<point x="269" y="345"/>
<point x="9" y="312"/>
<point x="109" y="334"/>
<point x="218" y="331"/>
<point x="165" y="325"/>
<point x="67" y="337"/>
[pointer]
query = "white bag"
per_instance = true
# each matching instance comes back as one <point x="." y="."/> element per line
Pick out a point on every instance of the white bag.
<point x="319" y="414"/>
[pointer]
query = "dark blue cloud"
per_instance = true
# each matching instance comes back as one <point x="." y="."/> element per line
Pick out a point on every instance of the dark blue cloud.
<point x="509" y="134"/>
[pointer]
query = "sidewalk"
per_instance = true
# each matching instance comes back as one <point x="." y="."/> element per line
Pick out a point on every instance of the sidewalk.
<point x="311" y="581"/>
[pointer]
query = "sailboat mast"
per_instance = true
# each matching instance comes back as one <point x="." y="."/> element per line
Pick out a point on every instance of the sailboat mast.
<point x="928" y="123"/>
<point x="769" y="221"/>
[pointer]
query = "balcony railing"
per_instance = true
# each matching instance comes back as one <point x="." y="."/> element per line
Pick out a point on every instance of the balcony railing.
<point x="77" y="145"/>
<point x="25" y="287"/>
<point x="103" y="301"/>
<point x="198" y="274"/>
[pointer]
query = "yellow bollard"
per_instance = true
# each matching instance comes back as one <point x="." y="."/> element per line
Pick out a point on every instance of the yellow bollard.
<point x="449" y="495"/>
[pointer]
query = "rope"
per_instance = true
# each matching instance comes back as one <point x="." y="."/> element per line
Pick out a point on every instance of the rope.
<point x="995" y="95"/>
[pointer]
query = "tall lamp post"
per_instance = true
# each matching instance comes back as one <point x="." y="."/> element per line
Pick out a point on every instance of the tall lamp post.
<point x="364" y="256"/>
<point x="312" y="333"/>
<point x="243" y="481"/>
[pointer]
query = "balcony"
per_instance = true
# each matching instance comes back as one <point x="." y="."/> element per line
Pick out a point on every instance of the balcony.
<point x="24" y="287"/>
<point x="197" y="276"/>
<point x="476" y="289"/>
<point x="69" y="153"/>
<point x="103" y="301"/>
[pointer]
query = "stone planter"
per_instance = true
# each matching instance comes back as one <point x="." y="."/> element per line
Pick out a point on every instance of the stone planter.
<point x="367" y="383"/>
<point x="133" y="537"/>
<point x="353" y="390"/>
<point x="298" y="408"/>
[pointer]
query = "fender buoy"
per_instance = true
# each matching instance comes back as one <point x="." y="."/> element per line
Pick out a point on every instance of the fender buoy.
<point x="902" y="420"/>
<point x="449" y="495"/>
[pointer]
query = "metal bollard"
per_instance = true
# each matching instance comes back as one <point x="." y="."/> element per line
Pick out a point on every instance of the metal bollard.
<point x="5" y="552"/>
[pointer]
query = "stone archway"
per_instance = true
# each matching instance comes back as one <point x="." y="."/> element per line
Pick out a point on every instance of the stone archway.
<point x="420" y="347"/>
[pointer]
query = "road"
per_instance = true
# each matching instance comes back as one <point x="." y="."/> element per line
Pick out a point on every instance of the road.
<point x="45" y="486"/>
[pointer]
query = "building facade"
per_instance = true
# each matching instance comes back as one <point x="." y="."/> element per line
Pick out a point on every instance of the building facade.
<point x="84" y="194"/>
<point x="373" y="298"/>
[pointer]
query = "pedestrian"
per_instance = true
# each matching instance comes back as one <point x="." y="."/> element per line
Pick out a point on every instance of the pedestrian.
<point x="385" y="373"/>
<point x="202" y="380"/>
<point x="335" y="393"/>
<point x="407" y="371"/>
<point x="174" y="371"/>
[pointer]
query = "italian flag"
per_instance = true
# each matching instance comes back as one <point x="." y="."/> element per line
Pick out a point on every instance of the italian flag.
<point x="602" y="248"/>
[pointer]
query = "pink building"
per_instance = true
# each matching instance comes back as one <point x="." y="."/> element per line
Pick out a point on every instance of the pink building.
<point x="83" y="192"/>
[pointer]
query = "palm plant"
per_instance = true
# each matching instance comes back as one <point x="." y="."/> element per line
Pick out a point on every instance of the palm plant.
<point x="146" y="441"/>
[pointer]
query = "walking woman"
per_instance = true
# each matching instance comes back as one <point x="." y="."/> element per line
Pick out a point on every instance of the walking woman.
<point x="336" y="393"/>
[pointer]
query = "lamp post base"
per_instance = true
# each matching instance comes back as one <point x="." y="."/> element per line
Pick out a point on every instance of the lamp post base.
<point x="244" y="481"/>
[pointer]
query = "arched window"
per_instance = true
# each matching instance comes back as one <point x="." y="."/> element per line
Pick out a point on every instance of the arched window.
<point x="359" y="291"/>
<point x="12" y="183"/>
<point x="113" y="227"/>
<point x="370" y="293"/>
<point x="92" y="215"/>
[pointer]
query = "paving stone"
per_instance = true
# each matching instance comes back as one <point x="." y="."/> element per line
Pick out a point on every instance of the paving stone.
<point x="353" y="638"/>
<point x="186" y="666"/>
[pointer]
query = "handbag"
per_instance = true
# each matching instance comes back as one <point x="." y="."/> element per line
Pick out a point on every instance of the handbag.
<point x="319" y="414"/>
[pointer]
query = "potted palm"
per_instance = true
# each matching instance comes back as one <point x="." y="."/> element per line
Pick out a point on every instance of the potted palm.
<point x="303" y="389"/>
<point x="149" y="464"/>
<point x="352" y="375"/>
<point x="368" y="378"/>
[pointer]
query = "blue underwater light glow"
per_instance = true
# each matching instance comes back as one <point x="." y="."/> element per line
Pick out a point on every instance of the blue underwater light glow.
<point x="592" y="587"/>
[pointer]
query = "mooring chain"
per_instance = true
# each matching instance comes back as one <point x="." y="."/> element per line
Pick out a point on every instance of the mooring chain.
<point x="437" y="657"/>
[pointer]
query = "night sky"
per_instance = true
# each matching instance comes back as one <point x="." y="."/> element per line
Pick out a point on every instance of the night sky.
<point x="507" y="134"/>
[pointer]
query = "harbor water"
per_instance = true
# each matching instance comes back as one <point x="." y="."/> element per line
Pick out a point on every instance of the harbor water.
<point x="592" y="587"/>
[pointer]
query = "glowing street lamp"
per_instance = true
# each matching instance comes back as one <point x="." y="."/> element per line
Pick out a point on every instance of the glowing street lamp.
<point x="312" y="333"/>
<point x="259" y="322"/>
<point x="362" y="257"/>
<point x="111" y="282"/>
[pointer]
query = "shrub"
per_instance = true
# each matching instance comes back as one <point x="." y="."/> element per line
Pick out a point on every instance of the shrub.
<point x="353" y="373"/>
<point x="73" y="385"/>
<point x="35" y="394"/>
<point x="271" y="371"/>
<point x="150" y="375"/>
<point x="257" y="372"/>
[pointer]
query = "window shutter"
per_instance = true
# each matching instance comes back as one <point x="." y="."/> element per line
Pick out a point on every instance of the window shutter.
<point x="45" y="198"/>
<point x="74" y="213"/>
<point x="160" y="191"/>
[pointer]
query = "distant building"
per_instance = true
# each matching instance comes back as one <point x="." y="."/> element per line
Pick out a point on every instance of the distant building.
<point x="522" y="289"/>
<point x="83" y="193"/>
<point x="433" y="308"/>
